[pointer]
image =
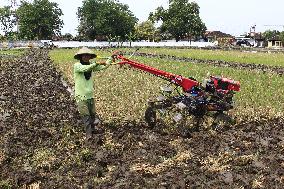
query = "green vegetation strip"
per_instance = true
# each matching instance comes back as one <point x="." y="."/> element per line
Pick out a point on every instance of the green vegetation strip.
<point x="251" y="57"/>
<point x="122" y="93"/>
<point x="217" y="63"/>
<point x="11" y="52"/>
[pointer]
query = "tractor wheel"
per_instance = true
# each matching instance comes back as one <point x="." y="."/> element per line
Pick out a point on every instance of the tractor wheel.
<point x="189" y="125"/>
<point x="222" y="122"/>
<point x="151" y="117"/>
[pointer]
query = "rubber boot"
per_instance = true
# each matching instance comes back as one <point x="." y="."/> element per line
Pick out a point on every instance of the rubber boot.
<point x="88" y="127"/>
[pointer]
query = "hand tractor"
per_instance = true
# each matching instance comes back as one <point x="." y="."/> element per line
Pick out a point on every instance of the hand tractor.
<point x="213" y="98"/>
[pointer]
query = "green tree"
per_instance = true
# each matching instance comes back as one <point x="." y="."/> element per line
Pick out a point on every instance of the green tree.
<point x="181" y="19"/>
<point x="7" y="19"/>
<point x="2" y="37"/>
<point x="67" y="37"/>
<point x="145" y="30"/>
<point x="39" y="19"/>
<point x="269" y="34"/>
<point x="105" y="18"/>
<point x="281" y="35"/>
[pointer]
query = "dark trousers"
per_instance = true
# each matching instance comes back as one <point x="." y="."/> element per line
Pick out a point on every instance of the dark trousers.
<point x="88" y="114"/>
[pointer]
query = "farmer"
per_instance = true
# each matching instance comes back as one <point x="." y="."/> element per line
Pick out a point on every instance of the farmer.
<point x="84" y="87"/>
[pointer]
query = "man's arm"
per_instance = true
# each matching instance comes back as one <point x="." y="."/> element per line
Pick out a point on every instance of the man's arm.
<point x="103" y="66"/>
<point x="84" y="68"/>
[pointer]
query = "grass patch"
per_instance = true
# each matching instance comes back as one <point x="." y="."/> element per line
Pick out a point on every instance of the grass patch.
<point x="271" y="59"/>
<point x="15" y="52"/>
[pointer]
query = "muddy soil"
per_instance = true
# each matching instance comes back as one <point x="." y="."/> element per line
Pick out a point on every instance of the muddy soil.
<point x="42" y="144"/>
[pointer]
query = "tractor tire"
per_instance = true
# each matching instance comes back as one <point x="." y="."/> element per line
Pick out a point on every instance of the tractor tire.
<point x="151" y="117"/>
<point x="222" y="122"/>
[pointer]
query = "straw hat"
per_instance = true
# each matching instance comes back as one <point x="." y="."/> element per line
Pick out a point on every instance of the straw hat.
<point x="84" y="50"/>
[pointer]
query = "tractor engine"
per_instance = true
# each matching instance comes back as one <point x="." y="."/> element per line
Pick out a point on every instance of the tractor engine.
<point x="221" y="92"/>
<point x="221" y="85"/>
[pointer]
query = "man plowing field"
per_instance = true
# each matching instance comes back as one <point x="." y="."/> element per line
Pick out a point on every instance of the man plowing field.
<point x="213" y="98"/>
<point x="84" y="87"/>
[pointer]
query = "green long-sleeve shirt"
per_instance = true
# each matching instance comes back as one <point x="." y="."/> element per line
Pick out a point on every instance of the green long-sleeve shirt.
<point x="84" y="89"/>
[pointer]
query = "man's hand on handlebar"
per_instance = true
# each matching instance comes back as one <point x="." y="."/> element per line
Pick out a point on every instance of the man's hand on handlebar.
<point x="114" y="55"/>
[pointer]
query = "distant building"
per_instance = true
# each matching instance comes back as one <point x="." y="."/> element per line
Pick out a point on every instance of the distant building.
<point x="259" y="40"/>
<point x="274" y="43"/>
<point x="223" y="39"/>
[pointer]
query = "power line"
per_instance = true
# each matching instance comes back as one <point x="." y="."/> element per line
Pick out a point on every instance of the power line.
<point x="276" y="25"/>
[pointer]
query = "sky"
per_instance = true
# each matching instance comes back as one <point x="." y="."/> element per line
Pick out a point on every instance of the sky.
<point x="230" y="16"/>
